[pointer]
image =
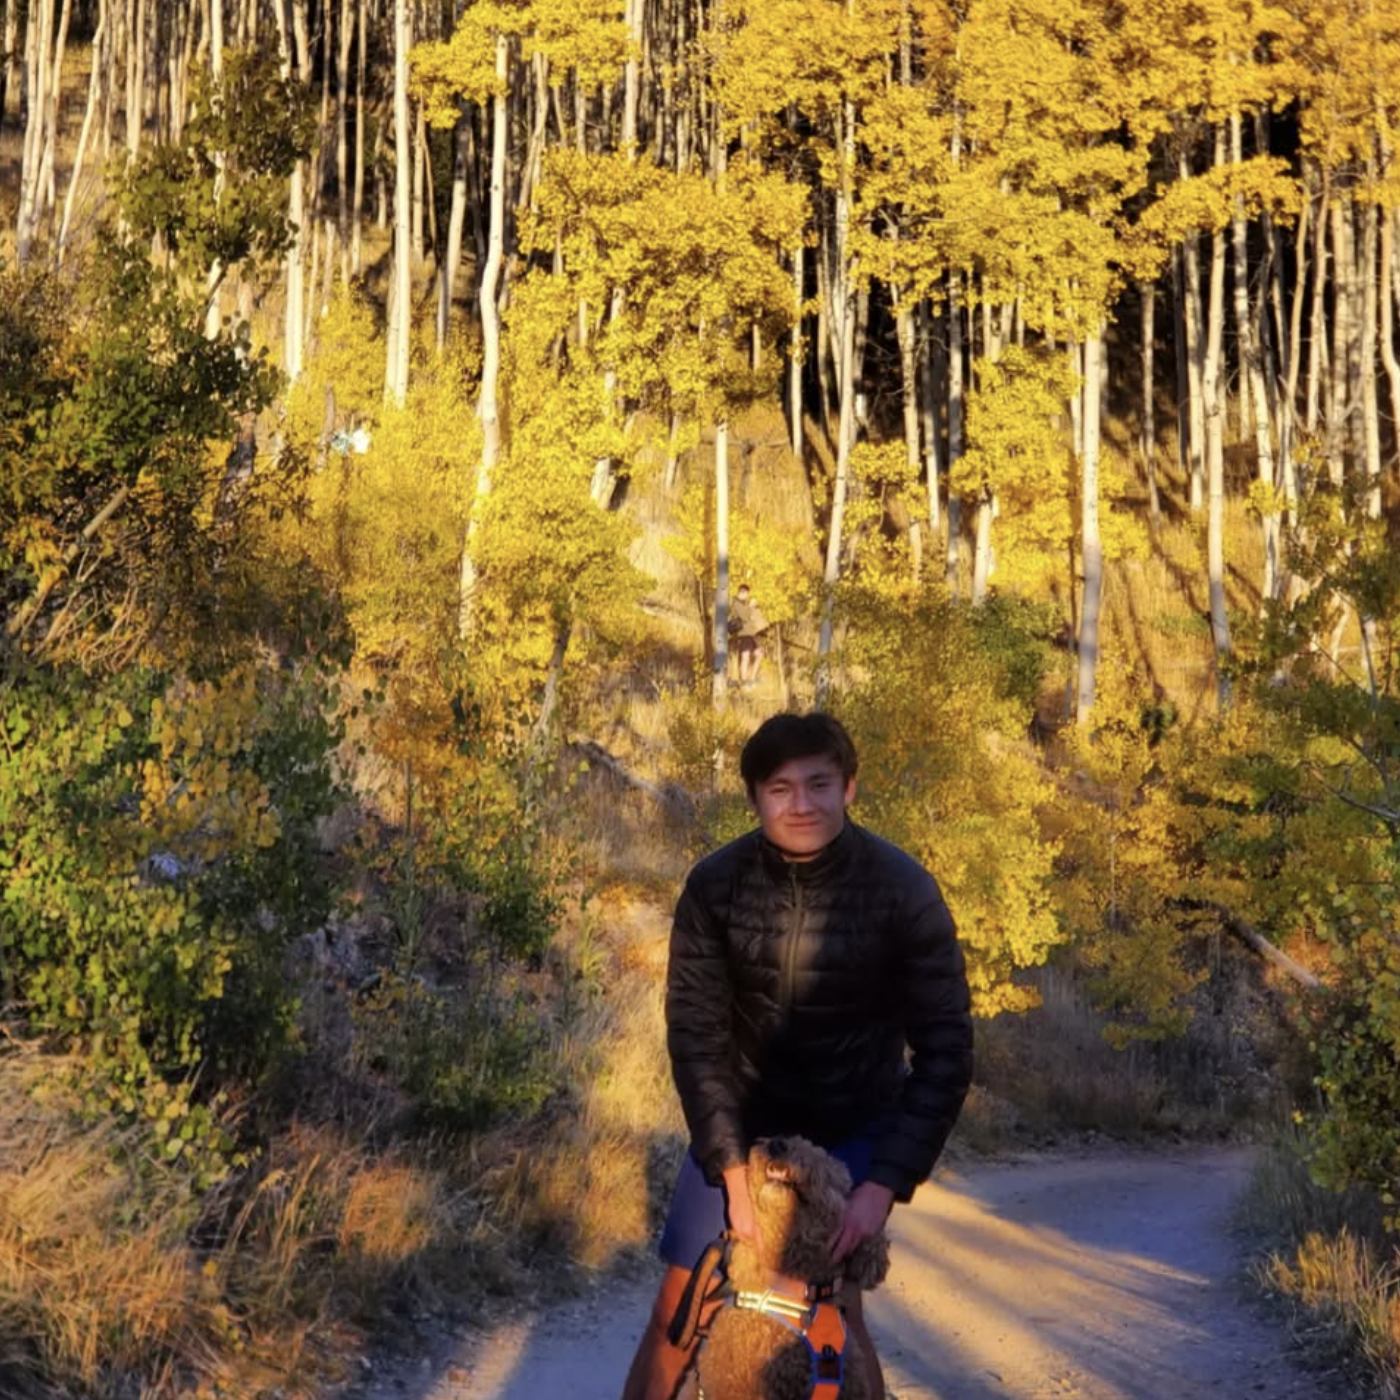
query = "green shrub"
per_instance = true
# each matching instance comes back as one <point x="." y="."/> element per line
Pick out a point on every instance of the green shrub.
<point x="465" y="1061"/>
<point x="156" y="856"/>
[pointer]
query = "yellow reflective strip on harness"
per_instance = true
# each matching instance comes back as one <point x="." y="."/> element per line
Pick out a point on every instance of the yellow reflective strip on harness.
<point x="774" y="1303"/>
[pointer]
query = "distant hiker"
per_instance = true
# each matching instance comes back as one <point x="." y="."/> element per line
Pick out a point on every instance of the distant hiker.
<point x="746" y="627"/>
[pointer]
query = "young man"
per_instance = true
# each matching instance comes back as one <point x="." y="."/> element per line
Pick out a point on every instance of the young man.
<point x="806" y="958"/>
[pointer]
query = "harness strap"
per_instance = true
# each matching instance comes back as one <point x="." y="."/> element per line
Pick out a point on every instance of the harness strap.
<point x="686" y="1320"/>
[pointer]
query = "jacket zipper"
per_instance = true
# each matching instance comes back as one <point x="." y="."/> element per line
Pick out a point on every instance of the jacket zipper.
<point x="789" y="985"/>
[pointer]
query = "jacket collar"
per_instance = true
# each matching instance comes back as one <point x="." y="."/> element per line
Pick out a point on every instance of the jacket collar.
<point x="829" y="859"/>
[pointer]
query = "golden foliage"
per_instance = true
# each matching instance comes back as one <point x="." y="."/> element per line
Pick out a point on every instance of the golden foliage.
<point x="943" y="774"/>
<point x="777" y="565"/>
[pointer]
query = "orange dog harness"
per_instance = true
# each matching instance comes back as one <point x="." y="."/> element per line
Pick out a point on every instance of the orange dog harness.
<point x="809" y="1309"/>
<point x="821" y="1325"/>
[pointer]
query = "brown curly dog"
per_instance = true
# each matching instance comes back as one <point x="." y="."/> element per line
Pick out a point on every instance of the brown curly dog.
<point x="781" y="1333"/>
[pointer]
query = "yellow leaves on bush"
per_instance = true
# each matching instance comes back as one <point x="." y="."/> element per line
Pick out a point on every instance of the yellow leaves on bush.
<point x="887" y="488"/>
<point x="1018" y="453"/>
<point x="780" y="566"/>
<point x="980" y="835"/>
<point x="1127" y="856"/>
<point x="344" y="372"/>
<point x="944" y="774"/>
<point x="197" y="800"/>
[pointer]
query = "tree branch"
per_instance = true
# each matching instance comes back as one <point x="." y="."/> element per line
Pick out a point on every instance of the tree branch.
<point x="24" y="615"/>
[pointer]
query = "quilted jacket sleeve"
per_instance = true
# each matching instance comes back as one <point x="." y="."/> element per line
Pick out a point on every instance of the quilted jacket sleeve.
<point x="938" y="1030"/>
<point x="699" y="997"/>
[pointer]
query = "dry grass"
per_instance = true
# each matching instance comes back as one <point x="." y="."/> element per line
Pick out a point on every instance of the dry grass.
<point x="1050" y="1071"/>
<point x="115" y="1275"/>
<point x="1331" y="1263"/>
<point x="96" y="1277"/>
<point x="1347" y="1297"/>
<point x="590" y="1190"/>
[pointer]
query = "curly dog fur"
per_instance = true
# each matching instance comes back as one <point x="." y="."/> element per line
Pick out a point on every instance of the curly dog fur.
<point x="799" y="1195"/>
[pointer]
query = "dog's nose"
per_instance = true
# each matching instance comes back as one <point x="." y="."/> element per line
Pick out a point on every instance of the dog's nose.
<point x="777" y="1148"/>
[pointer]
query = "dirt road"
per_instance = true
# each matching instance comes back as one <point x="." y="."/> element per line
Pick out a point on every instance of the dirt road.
<point x="1106" y="1277"/>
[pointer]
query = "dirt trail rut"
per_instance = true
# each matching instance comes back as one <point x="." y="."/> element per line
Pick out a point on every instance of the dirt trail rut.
<point x="1103" y="1277"/>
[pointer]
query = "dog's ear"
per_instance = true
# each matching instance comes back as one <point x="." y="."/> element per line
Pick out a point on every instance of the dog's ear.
<point x="869" y="1262"/>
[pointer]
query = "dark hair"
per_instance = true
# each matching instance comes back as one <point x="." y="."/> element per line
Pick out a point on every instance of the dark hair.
<point x="781" y="738"/>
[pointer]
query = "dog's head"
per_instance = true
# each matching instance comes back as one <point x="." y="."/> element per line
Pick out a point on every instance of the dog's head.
<point x="799" y="1193"/>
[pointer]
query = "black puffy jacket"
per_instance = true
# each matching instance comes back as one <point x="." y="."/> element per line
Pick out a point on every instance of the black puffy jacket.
<point x="792" y="992"/>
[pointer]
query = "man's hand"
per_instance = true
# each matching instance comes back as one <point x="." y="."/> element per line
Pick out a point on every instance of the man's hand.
<point x="867" y="1209"/>
<point x="739" y="1204"/>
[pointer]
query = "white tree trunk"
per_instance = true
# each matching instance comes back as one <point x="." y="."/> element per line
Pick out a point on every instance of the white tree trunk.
<point x="956" y="371"/>
<point x="845" y="306"/>
<point x="1214" y="399"/>
<point x="97" y="81"/>
<point x="1239" y="257"/>
<point x="795" y="354"/>
<point x="135" y="74"/>
<point x="719" y="676"/>
<point x="1195" y="370"/>
<point x="213" y="313"/>
<point x="1387" y="309"/>
<point x="1091" y="545"/>
<point x="928" y="418"/>
<point x="294" y="313"/>
<point x="488" y="405"/>
<point x="1337" y="385"/>
<point x="9" y="94"/>
<point x="38" y="83"/>
<point x="1195" y="352"/>
<point x="631" y="76"/>
<point x="1370" y="404"/>
<point x="1288" y="417"/>
<point x="1147" y="295"/>
<point x="909" y="390"/>
<point x="982" y="550"/>
<point x="400" y="333"/>
<point x="357" y="204"/>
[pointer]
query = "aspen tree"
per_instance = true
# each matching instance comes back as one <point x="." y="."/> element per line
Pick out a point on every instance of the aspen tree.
<point x="9" y="62"/>
<point x="98" y="83"/>
<point x="476" y="63"/>
<point x="400" y="328"/>
<point x="1345" y="58"/>
<point x="825" y="61"/>
<point x="45" y="42"/>
<point x="488" y="401"/>
<point x="903" y="239"/>
<point x="295" y="64"/>
<point x="213" y="316"/>
<point x="1039" y="191"/>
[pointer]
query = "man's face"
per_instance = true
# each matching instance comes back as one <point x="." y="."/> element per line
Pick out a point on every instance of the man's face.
<point x="802" y="805"/>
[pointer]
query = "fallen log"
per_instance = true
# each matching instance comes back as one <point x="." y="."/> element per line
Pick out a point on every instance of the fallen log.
<point x="669" y="795"/>
<point x="1270" y="952"/>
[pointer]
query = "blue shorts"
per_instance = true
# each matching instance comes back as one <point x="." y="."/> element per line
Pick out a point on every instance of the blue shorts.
<point x="696" y="1216"/>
